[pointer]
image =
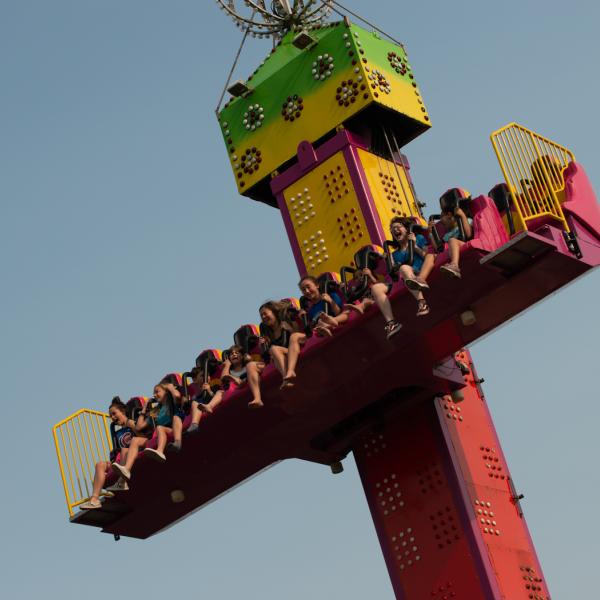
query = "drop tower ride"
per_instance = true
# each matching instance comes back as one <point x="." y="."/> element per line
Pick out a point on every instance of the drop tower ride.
<point x="318" y="131"/>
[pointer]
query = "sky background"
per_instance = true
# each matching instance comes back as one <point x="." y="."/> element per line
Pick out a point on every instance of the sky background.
<point x="125" y="250"/>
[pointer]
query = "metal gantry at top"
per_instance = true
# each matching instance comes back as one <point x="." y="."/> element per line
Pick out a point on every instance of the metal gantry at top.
<point x="319" y="131"/>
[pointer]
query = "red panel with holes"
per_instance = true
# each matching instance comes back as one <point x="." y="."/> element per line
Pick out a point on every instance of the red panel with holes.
<point x="443" y="505"/>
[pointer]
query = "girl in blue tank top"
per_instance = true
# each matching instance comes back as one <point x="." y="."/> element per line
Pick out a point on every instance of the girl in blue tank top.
<point x="122" y="431"/>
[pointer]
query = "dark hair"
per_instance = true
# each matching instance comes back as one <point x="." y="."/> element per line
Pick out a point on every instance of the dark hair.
<point x="195" y="371"/>
<point x="240" y="351"/>
<point x="308" y="278"/>
<point x="118" y="404"/>
<point x="169" y="399"/>
<point x="278" y="309"/>
<point x="275" y="307"/>
<point x="404" y="221"/>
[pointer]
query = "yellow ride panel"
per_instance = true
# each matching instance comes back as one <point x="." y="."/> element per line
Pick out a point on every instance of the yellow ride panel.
<point x="533" y="168"/>
<point x="324" y="210"/>
<point x="391" y="190"/>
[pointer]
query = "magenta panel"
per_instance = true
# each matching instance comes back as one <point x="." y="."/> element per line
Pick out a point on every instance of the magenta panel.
<point x="289" y="229"/>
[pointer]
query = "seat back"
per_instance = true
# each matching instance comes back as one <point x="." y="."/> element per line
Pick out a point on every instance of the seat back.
<point x="488" y="228"/>
<point x="211" y="363"/>
<point x="389" y="247"/>
<point x="188" y="385"/>
<point x="247" y="337"/>
<point x="455" y="198"/>
<point x="500" y="195"/>
<point x="329" y="282"/>
<point x="371" y="257"/>
<point x="134" y="406"/>
<point x="174" y="379"/>
<point x="294" y="316"/>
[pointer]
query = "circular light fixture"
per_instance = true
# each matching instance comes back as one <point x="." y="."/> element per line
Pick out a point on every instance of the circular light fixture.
<point x="263" y="19"/>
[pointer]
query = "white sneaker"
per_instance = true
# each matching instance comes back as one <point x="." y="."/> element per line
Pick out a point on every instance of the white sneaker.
<point x="121" y="485"/>
<point x="90" y="505"/>
<point x="125" y="473"/>
<point x="155" y="455"/>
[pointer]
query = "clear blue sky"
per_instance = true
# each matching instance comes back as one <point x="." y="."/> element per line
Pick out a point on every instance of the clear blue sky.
<point x="125" y="250"/>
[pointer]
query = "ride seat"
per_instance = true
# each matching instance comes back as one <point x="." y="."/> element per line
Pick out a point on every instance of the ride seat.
<point x="489" y="232"/>
<point x="368" y="257"/>
<point x="390" y="246"/>
<point x="134" y="406"/>
<point x="175" y="379"/>
<point x="247" y="336"/>
<point x="294" y="313"/>
<point x="488" y="228"/>
<point x="211" y="363"/>
<point x="500" y="194"/>
<point x="328" y="282"/>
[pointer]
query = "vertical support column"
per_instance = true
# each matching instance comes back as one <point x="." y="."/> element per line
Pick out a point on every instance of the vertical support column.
<point x="444" y="506"/>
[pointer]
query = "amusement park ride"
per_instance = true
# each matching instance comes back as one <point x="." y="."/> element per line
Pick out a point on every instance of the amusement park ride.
<point x="318" y="131"/>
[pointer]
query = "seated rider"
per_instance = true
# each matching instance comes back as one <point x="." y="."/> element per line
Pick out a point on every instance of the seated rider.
<point x="122" y="431"/>
<point x="322" y="310"/>
<point x="415" y="275"/>
<point x="238" y="369"/>
<point x="452" y="237"/>
<point x="158" y="412"/>
<point x="377" y="293"/>
<point x="169" y="420"/>
<point x="282" y="338"/>
<point x="326" y="311"/>
<point x="204" y="393"/>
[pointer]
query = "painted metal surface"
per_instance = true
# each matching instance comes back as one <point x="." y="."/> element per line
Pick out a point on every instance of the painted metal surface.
<point x="389" y="185"/>
<point x="345" y="383"/>
<point x="533" y="168"/>
<point x="325" y="213"/>
<point x="306" y="94"/>
<point x="340" y="201"/>
<point x="488" y="492"/>
<point x="443" y="504"/>
<point x="81" y="440"/>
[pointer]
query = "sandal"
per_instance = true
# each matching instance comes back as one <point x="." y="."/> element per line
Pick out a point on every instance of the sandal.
<point x="451" y="270"/>
<point x="120" y="486"/>
<point x="89" y="505"/>
<point x="286" y="383"/>
<point x="412" y="284"/>
<point x="422" y="307"/>
<point x="392" y="328"/>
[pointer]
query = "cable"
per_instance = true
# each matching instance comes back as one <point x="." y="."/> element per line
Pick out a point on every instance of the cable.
<point x="357" y="16"/>
<point x="393" y="160"/>
<point x="235" y="62"/>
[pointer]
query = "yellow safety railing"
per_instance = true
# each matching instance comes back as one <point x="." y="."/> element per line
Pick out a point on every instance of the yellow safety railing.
<point x="533" y="168"/>
<point x="81" y="440"/>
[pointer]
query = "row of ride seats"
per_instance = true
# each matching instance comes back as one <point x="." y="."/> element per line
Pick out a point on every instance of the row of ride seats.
<point x="487" y="226"/>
